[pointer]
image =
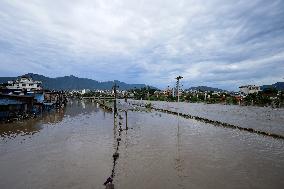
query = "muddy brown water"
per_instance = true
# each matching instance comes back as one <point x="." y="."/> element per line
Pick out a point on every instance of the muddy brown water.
<point x="73" y="148"/>
<point x="265" y="119"/>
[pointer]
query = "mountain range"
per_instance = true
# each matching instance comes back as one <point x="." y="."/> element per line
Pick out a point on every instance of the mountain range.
<point x="278" y="86"/>
<point x="74" y="83"/>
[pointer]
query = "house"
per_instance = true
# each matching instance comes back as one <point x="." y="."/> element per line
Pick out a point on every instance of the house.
<point x="249" y="89"/>
<point x="84" y="91"/>
<point x="12" y="106"/>
<point x="168" y="91"/>
<point x="8" y="107"/>
<point x="24" y="83"/>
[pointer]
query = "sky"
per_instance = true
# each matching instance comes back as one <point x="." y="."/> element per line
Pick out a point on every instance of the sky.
<point x="217" y="43"/>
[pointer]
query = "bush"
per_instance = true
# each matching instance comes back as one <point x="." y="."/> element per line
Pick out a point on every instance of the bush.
<point x="148" y="105"/>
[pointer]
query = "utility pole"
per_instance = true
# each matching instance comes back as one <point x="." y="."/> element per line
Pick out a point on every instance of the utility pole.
<point x="115" y="96"/>
<point x="148" y="94"/>
<point x="126" y="124"/>
<point x="178" y="78"/>
<point x="177" y="85"/>
<point x="178" y="132"/>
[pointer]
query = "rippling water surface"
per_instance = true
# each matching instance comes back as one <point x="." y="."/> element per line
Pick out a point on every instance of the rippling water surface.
<point x="260" y="118"/>
<point x="73" y="148"/>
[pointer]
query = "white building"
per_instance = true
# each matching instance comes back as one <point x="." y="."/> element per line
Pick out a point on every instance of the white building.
<point x="84" y="91"/>
<point x="25" y="83"/>
<point x="249" y="89"/>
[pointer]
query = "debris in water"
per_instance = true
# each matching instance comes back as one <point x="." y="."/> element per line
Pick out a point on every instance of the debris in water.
<point x="115" y="155"/>
<point x="109" y="180"/>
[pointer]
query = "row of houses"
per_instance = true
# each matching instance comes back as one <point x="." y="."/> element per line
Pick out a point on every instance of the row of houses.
<point x="244" y="91"/>
<point x="24" y="98"/>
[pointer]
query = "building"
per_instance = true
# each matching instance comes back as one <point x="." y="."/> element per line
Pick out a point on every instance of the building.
<point x="24" y="83"/>
<point x="168" y="91"/>
<point x="8" y="107"/>
<point x="249" y="89"/>
<point x="84" y="91"/>
<point x="12" y="106"/>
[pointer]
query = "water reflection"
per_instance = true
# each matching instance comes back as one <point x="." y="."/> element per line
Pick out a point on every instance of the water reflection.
<point x="155" y="150"/>
<point x="259" y="118"/>
<point x="166" y="151"/>
<point x="76" y="107"/>
<point x="32" y="126"/>
<point x="179" y="167"/>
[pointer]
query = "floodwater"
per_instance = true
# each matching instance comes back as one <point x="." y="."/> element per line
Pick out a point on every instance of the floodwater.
<point x="74" y="148"/>
<point x="266" y="119"/>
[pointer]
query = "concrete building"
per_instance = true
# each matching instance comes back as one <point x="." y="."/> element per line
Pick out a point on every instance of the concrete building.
<point x="24" y="83"/>
<point x="168" y="91"/>
<point x="249" y="89"/>
<point x="84" y="91"/>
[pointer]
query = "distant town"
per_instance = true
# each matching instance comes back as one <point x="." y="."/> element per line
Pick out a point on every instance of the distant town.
<point x="249" y="95"/>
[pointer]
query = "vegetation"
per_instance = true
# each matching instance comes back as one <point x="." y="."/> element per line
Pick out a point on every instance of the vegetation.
<point x="267" y="97"/>
<point x="148" y="105"/>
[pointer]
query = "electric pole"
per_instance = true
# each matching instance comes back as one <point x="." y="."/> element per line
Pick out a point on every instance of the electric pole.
<point x="115" y="96"/>
<point x="177" y="85"/>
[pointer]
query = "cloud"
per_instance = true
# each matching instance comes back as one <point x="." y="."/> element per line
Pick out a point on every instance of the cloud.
<point x="216" y="43"/>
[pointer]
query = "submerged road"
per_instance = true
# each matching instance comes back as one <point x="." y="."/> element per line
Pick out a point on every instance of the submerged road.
<point x="74" y="148"/>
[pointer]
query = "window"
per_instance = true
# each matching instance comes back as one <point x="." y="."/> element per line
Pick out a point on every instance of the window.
<point x="23" y="85"/>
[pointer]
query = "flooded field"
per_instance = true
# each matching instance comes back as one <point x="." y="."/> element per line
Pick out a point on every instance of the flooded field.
<point x="73" y="148"/>
<point x="260" y="118"/>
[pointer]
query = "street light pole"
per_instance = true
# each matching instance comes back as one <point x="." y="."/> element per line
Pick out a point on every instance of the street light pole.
<point x="178" y="78"/>
<point x="115" y="96"/>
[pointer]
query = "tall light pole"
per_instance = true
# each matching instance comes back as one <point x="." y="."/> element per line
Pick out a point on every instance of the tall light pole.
<point x="178" y="78"/>
<point x="115" y="96"/>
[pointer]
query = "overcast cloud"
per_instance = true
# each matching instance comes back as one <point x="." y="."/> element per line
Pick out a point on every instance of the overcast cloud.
<point x="215" y="43"/>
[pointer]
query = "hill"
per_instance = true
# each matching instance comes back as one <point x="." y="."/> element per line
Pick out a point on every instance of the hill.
<point x="279" y="86"/>
<point x="74" y="83"/>
<point x="205" y="88"/>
